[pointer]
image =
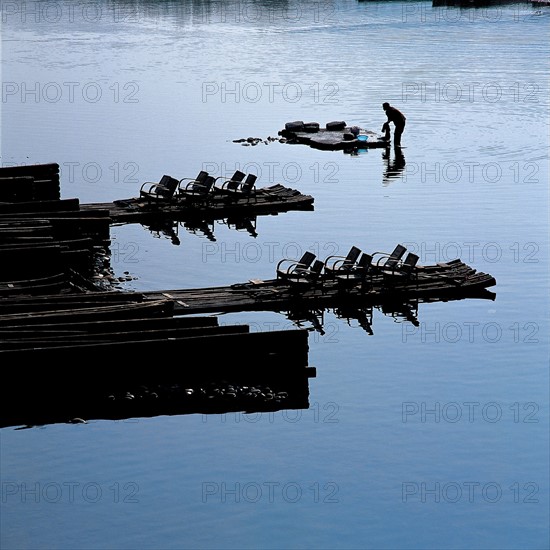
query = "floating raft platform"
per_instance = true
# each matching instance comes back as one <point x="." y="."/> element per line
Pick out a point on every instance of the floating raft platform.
<point x="123" y="327"/>
<point x="263" y="201"/>
<point x="443" y="281"/>
<point x="336" y="135"/>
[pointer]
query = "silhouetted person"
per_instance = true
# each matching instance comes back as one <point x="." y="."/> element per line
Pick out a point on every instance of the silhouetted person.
<point x="398" y="118"/>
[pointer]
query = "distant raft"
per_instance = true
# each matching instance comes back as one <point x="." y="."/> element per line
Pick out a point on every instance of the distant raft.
<point x="335" y="135"/>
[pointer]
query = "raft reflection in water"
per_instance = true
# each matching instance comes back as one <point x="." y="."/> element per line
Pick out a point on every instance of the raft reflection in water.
<point x="203" y="227"/>
<point x="208" y="369"/>
<point x="360" y="312"/>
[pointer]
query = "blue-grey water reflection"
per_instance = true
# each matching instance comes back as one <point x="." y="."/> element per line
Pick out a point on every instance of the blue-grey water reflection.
<point x="427" y="436"/>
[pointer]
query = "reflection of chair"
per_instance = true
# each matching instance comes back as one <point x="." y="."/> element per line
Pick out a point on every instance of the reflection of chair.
<point x="404" y="312"/>
<point x="288" y="266"/>
<point x="363" y="316"/>
<point x="388" y="261"/>
<point x="300" y="316"/>
<point x="242" y="224"/>
<point x="163" y="190"/>
<point x="358" y="273"/>
<point x="335" y="265"/>
<point x="168" y="228"/>
<point x="402" y="270"/>
<point x="200" y="227"/>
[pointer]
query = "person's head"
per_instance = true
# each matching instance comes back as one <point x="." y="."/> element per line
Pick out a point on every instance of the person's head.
<point x="385" y="106"/>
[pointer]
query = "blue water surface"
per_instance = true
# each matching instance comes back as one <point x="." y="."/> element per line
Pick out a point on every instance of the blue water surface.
<point x="432" y="436"/>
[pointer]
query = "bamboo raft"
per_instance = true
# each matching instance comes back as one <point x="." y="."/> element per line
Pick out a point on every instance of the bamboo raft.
<point x="450" y="280"/>
<point x="51" y="312"/>
<point x="112" y="326"/>
<point x="37" y="182"/>
<point x="335" y="136"/>
<point x="264" y="201"/>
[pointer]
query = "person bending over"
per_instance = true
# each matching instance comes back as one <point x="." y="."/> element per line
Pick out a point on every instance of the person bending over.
<point x="398" y="118"/>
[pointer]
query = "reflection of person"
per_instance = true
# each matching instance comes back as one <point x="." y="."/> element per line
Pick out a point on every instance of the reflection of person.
<point x="395" y="166"/>
<point x="398" y="118"/>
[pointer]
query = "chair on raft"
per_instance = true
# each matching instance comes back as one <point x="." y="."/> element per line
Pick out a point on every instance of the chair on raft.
<point x="335" y="265"/>
<point x="196" y="190"/>
<point x="402" y="271"/>
<point x="358" y="275"/>
<point x="288" y="266"/>
<point x="305" y="279"/>
<point x="199" y="180"/>
<point x="385" y="260"/>
<point x="163" y="190"/>
<point x="231" y="184"/>
<point x="243" y="189"/>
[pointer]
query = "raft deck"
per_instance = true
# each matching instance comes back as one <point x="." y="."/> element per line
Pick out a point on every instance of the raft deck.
<point x="451" y="280"/>
<point x="264" y="201"/>
<point x="331" y="138"/>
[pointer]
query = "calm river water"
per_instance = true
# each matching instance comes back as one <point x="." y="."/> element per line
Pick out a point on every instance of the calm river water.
<point x="428" y="436"/>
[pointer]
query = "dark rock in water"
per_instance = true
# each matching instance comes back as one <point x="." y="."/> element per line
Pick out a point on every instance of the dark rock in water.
<point x="311" y="127"/>
<point x="335" y="125"/>
<point x="296" y="126"/>
<point x="348" y="136"/>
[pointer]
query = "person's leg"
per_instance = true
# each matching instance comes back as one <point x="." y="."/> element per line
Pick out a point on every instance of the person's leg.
<point x="397" y="134"/>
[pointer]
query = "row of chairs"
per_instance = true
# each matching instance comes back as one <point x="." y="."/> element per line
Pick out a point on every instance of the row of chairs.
<point x="355" y="268"/>
<point x="202" y="187"/>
